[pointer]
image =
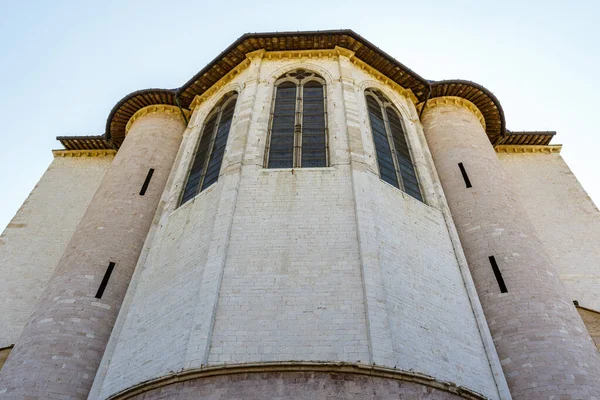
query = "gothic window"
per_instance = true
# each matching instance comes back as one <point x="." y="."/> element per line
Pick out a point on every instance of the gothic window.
<point x="211" y="148"/>
<point x="391" y="147"/>
<point x="298" y="131"/>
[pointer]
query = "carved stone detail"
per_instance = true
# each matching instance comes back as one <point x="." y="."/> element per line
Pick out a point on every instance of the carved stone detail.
<point x="300" y="54"/>
<point x="84" y="153"/>
<point x="164" y="108"/>
<point x="226" y="79"/>
<point x="436" y="101"/>
<point x="527" y="148"/>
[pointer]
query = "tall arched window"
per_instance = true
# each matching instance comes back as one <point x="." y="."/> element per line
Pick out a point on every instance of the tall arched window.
<point x="392" y="150"/>
<point x="211" y="147"/>
<point x="298" y="132"/>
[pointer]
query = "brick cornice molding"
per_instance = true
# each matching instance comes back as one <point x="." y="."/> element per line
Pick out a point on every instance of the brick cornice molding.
<point x="156" y="108"/>
<point x="527" y="148"/>
<point x="84" y="153"/>
<point x="457" y="101"/>
<point x="384" y="79"/>
<point x="302" y="54"/>
<point x="255" y="55"/>
<point x="282" y="367"/>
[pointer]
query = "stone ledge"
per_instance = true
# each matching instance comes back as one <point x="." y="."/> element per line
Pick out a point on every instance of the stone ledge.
<point x="454" y="100"/>
<point x="84" y="153"/>
<point x="298" y="366"/>
<point x="298" y="55"/>
<point x="527" y="148"/>
<point x="155" y="108"/>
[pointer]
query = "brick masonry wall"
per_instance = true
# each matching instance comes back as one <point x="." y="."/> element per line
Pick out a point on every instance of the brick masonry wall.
<point x="564" y="217"/>
<point x="543" y="345"/>
<point x="272" y="265"/>
<point x="61" y="346"/>
<point x="36" y="237"/>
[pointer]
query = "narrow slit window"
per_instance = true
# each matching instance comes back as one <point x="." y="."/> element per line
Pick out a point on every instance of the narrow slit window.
<point x="498" y="275"/>
<point x="464" y="175"/>
<point x="104" y="282"/>
<point x="208" y="158"/>
<point x="147" y="182"/>
<point x="392" y="150"/>
<point x="298" y="131"/>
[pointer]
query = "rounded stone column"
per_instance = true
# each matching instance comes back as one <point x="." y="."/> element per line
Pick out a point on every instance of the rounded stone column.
<point x="60" y="348"/>
<point x="542" y="343"/>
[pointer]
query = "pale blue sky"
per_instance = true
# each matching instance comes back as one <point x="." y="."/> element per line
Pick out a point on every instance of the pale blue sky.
<point x="64" y="64"/>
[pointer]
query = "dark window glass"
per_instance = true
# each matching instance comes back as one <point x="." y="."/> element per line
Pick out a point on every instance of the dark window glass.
<point x="387" y="171"/>
<point x="392" y="151"/>
<point x="314" y="147"/>
<point x="298" y="136"/>
<point x="211" y="148"/>
<point x="405" y="164"/>
<point x="216" y="158"/>
<point x="281" y="147"/>
<point x="191" y="187"/>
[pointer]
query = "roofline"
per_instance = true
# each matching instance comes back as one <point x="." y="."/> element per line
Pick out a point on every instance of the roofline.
<point x="420" y="86"/>
<point x="250" y="35"/>
<point x="128" y="97"/>
<point x="491" y="95"/>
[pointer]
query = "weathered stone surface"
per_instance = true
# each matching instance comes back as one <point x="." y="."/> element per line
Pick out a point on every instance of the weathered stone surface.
<point x="564" y="217"/>
<point x="36" y="237"/>
<point x="296" y="386"/>
<point x="314" y="264"/>
<point x="60" y="349"/>
<point x="544" y="347"/>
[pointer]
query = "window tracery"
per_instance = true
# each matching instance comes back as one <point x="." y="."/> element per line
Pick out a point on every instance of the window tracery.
<point x="298" y="128"/>
<point x="210" y="150"/>
<point x="392" y="150"/>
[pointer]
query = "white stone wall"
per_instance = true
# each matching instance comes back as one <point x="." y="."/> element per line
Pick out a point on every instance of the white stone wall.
<point x="34" y="240"/>
<point x="325" y="264"/>
<point x="565" y="219"/>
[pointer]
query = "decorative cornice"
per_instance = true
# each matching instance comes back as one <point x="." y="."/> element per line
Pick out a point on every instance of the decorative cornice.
<point x="256" y="54"/>
<point x="384" y="79"/>
<point x="156" y="108"/>
<point x="84" y="153"/>
<point x="357" y="369"/>
<point x="342" y="51"/>
<point x="300" y="54"/>
<point x="527" y="148"/>
<point x="459" y="101"/>
<point x="224" y="80"/>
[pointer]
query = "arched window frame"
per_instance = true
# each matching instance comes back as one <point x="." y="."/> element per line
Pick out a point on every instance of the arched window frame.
<point x="217" y="111"/>
<point x="291" y="77"/>
<point x="384" y="103"/>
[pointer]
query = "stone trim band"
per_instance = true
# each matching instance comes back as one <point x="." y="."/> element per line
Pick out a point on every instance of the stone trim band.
<point x="84" y="153"/>
<point x="527" y="148"/>
<point x="299" y="54"/>
<point x="459" y="101"/>
<point x="347" y="368"/>
<point x="153" y="109"/>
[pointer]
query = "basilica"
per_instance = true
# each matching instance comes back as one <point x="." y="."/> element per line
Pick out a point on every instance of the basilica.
<point x="304" y="218"/>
